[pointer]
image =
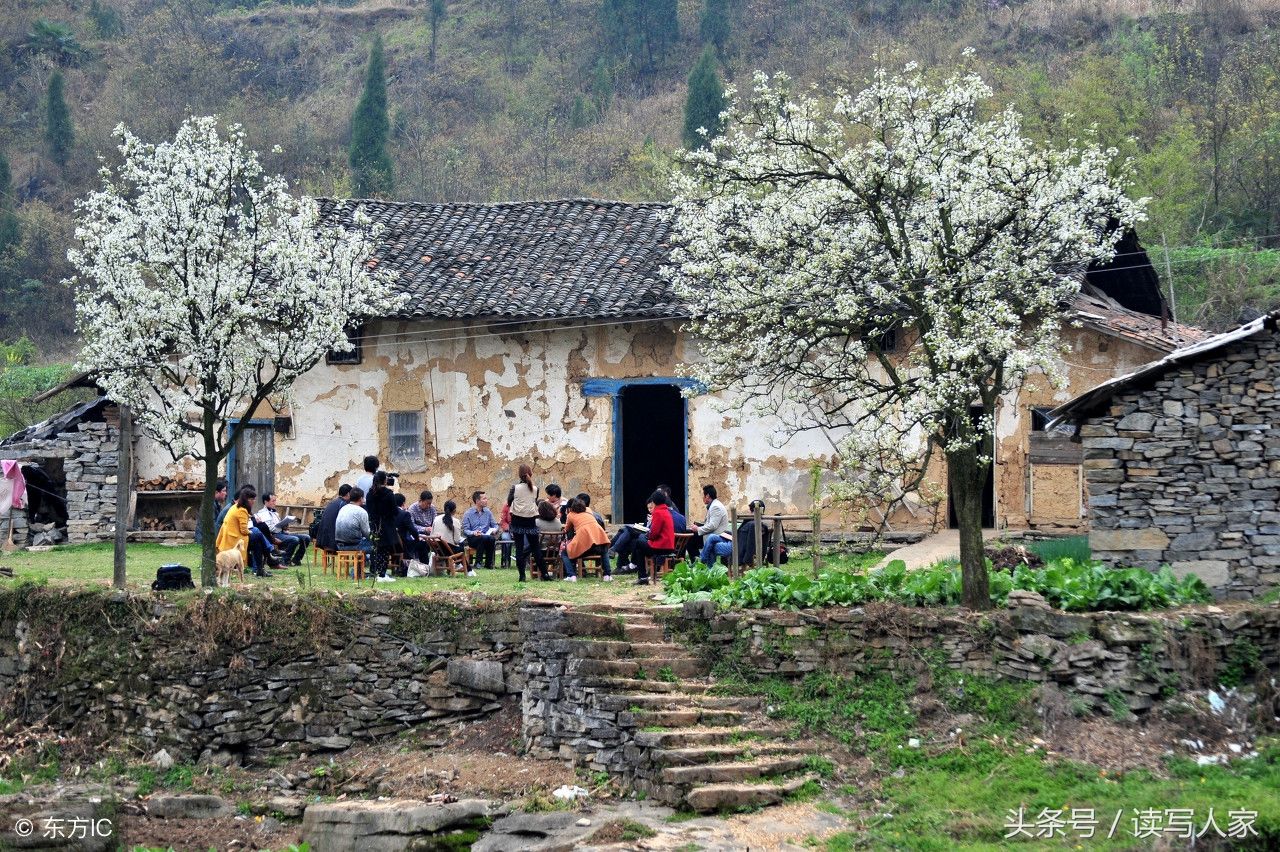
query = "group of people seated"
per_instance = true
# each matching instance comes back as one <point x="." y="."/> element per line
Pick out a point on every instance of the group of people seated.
<point x="370" y="517"/>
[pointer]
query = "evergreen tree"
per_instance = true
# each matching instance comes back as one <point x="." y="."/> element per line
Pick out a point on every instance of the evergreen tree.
<point x="704" y="102"/>
<point x="662" y="24"/>
<point x="10" y="232"/>
<point x="714" y="27"/>
<point x="370" y="163"/>
<point x="436" y="16"/>
<point x="601" y="87"/>
<point x="59" y="135"/>
<point x="642" y="30"/>
<point x="582" y="114"/>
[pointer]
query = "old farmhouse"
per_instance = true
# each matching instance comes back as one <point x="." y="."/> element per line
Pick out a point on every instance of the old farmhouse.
<point x="1182" y="461"/>
<point x="544" y="331"/>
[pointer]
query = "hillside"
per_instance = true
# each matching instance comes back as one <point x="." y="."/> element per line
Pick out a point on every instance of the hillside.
<point x="534" y="99"/>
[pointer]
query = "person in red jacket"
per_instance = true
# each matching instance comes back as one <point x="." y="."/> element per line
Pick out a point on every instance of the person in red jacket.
<point x="661" y="538"/>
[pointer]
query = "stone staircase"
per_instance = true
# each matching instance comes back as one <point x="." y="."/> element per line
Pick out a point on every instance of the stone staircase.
<point x="671" y="737"/>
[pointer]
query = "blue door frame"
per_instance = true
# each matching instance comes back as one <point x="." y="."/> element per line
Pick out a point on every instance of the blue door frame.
<point x="612" y="388"/>
<point x="233" y="424"/>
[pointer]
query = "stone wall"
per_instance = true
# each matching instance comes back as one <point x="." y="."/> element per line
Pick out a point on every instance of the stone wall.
<point x="1187" y="471"/>
<point x="1099" y="657"/>
<point x="230" y="677"/>
<point x="90" y="456"/>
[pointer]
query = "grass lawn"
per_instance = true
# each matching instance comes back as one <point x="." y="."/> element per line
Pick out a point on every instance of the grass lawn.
<point x="92" y="563"/>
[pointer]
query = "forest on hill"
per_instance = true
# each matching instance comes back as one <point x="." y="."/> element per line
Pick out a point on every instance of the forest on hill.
<point x="493" y="100"/>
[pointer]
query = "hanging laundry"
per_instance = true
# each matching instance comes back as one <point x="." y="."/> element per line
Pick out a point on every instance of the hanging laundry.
<point x="13" y="487"/>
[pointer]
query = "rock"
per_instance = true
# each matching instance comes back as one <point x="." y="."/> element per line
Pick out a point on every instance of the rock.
<point x="388" y="826"/>
<point x="478" y="675"/>
<point x="1216" y="573"/>
<point x="570" y="793"/>
<point x="162" y="760"/>
<point x="1139" y="421"/>
<point x="583" y="823"/>
<point x="1023" y="597"/>
<point x="287" y="806"/>
<point x="189" y="807"/>
<point x="1150" y="538"/>
<point x="543" y="832"/>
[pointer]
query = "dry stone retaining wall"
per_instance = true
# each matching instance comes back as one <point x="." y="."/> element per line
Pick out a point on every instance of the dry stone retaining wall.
<point x="230" y="678"/>
<point x="1187" y="471"/>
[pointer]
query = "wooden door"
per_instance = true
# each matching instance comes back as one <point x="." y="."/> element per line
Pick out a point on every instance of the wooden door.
<point x="256" y="458"/>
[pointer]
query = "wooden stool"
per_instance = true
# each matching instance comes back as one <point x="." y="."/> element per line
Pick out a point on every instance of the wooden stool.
<point x="657" y="566"/>
<point x="324" y="558"/>
<point x="348" y="563"/>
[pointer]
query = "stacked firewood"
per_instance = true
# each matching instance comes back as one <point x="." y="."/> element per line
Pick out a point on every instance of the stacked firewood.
<point x="156" y="524"/>
<point x="180" y="482"/>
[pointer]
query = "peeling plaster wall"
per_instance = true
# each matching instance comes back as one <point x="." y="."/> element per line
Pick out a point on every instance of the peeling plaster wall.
<point x="494" y="397"/>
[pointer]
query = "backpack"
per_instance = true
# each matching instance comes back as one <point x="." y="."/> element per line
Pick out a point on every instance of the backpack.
<point x="170" y="577"/>
<point x="313" y="529"/>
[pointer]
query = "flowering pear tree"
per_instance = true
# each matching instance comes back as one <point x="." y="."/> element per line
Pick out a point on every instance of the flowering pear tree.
<point x="884" y="265"/>
<point x="203" y="288"/>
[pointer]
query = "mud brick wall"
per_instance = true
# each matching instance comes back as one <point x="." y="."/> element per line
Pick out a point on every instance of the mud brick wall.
<point x="229" y="677"/>
<point x="1099" y="657"/>
<point x="1187" y="471"/>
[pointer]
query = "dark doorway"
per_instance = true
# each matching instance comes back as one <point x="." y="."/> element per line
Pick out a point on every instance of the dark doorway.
<point x="653" y="447"/>
<point x="255" y="462"/>
<point x="988" y="489"/>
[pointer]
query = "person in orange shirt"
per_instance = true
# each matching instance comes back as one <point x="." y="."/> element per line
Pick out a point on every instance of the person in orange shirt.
<point x="583" y="535"/>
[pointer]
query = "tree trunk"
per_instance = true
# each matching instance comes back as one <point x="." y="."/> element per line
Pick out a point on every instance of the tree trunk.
<point x="208" y="542"/>
<point x="966" y="478"/>
<point x="124" y="486"/>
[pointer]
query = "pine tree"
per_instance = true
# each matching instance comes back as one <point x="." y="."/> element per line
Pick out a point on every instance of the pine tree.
<point x="704" y="102"/>
<point x="370" y="164"/>
<point x="663" y="24"/>
<point x="714" y="27"/>
<point x="601" y="87"/>
<point x="582" y="114"/>
<point x="59" y="135"/>
<point x="10" y="230"/>
<point x="436" y="16"/>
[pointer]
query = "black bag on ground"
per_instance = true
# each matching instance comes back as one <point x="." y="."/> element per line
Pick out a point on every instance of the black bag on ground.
<point x="170" y="577"/>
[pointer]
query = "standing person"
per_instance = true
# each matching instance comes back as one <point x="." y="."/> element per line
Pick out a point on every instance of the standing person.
<point x="661" y="538"/>
<point x="583" y="536"/>
<point x="504" y="535"/>
<point x="523" y="500"/>
<point x="294" y="545"/>
<point x="233" y="535"/>
<point x="382" y="522"/>
<point x="480" y="528"/>
<point x="325" y="536"/>
<point x="448" y="529"/>
<point x="365" y="481"/>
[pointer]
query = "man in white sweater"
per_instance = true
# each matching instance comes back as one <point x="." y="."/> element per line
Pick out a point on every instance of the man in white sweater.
<point x="716" y="524"/>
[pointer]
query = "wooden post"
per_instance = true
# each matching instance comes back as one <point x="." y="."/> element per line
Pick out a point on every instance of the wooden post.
<point x="777" y="541"/>
<point x="733" y="540"/>
<point x="817" y="543"/>
<point x="124" y="477"/>
<point x="758" y="514"/>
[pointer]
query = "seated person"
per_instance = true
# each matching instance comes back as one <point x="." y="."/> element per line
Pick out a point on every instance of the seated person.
<point x="677" y="517"/>
<point x="480" y="528"/>
<point x="423" y="514"/>
<point x="329" y="517"/>
<point x="410" y="543"/>
<point x="293" y="545"/>
<point x="448" y="529"/>
<point x="548" y="519"/>
<point x="504" y="535"/>
<point x="262" y="552"/>
<point x="717" y="522"/>
<point x="583" y="536"/>
<point x="555" y="498"/>
<point x="586" y="501"/>
<point x="716" y="545"/>
<point x="660" y="540"/>
<point x="351" y="530"/>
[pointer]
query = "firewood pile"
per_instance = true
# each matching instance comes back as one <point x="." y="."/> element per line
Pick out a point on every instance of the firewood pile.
<point x="181" y="482"/>
<point x="156" y="524"/>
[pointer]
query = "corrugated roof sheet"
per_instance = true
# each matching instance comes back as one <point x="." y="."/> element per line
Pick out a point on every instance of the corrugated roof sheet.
<point x="576" y="258"/>
<point x="1093" y="400"/>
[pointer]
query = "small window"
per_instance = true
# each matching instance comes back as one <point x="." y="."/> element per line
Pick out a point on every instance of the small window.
<point x="405" y="432"/>
<point x="353" y="355"/>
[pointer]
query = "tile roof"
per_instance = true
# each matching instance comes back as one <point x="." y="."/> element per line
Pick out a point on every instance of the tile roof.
<point x="1094" y="309"/>
<point x="576" y="258"/>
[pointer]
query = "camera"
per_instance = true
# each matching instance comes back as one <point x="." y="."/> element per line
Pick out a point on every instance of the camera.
<point x="391" y="478"/>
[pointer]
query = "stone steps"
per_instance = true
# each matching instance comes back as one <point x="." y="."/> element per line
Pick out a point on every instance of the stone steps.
<point x="687" y="717"/>
<point x="690" y="755"/>
<point x="732" y="796"/>
<point x="621" y="685"/>
<point x="706" y="736"/>
<point x="721" y="773"/>
<point x="642" y="632"/>
<point x="670" y="700"/>
<point x="649" y="668"/>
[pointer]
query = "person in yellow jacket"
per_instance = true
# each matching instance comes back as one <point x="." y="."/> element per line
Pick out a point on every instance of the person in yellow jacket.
<point x="233" y="537"/>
